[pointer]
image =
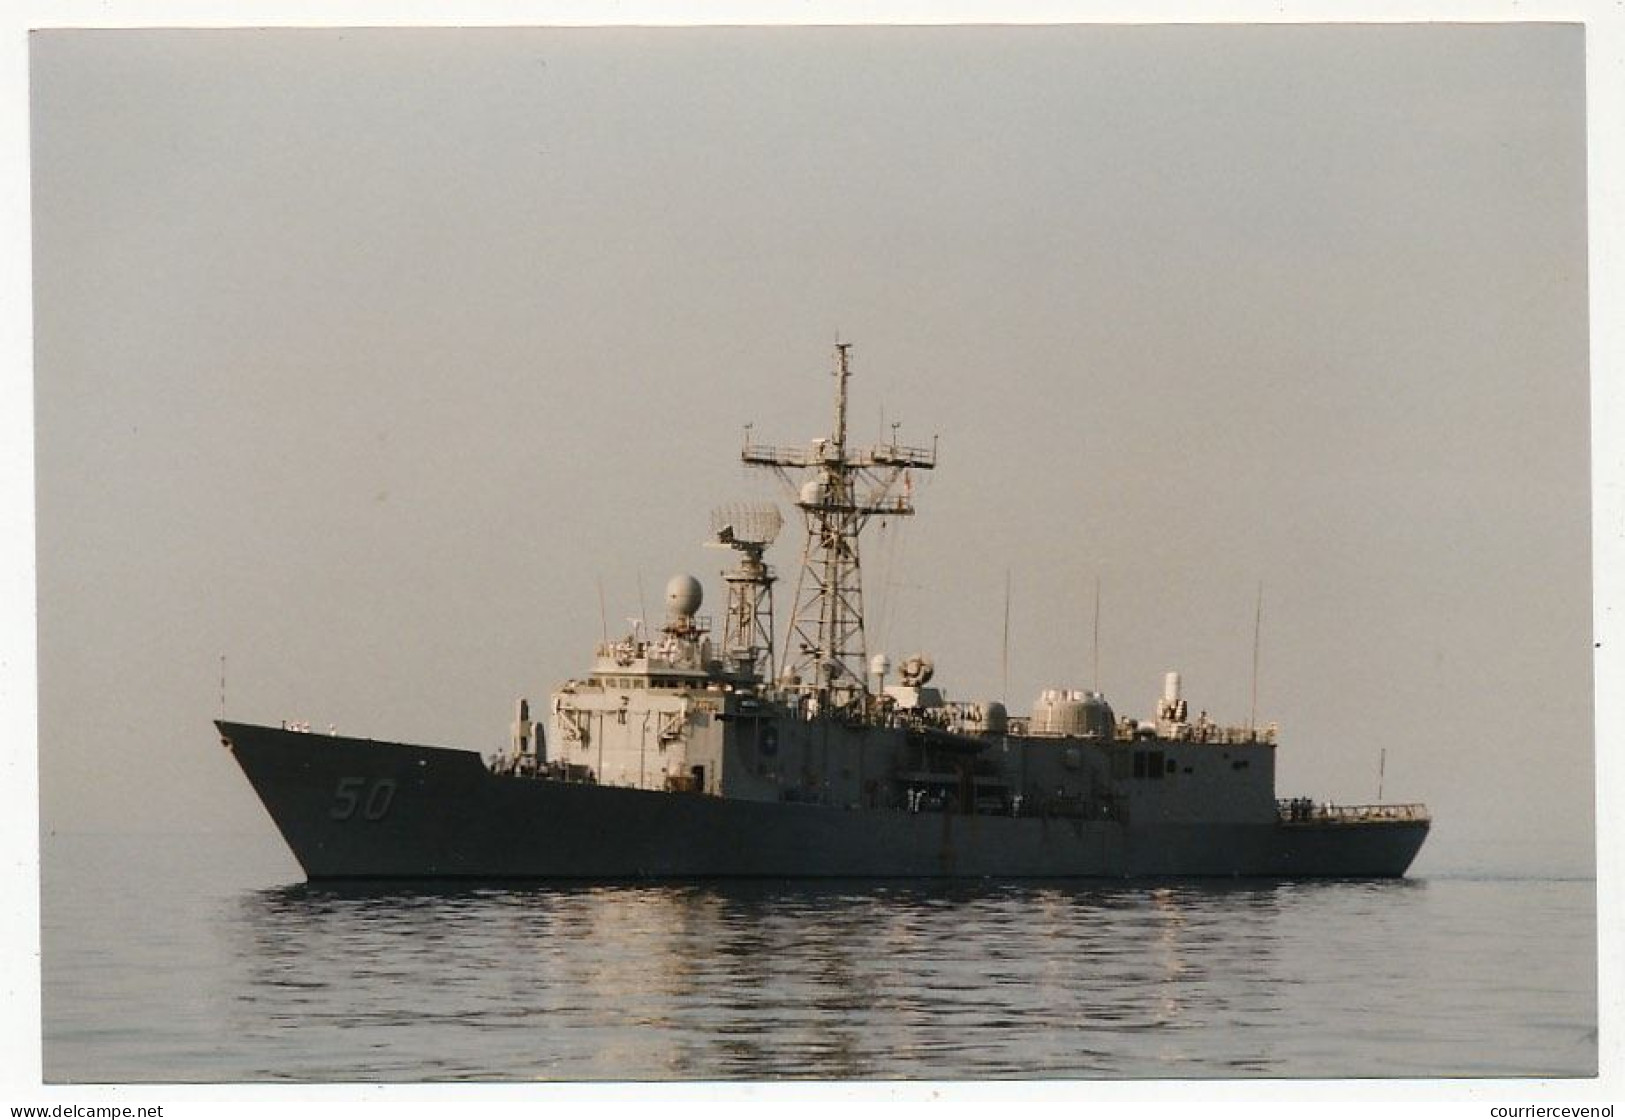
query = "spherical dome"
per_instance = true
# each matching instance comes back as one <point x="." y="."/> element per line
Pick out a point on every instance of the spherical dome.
<point x="683" y="595"/>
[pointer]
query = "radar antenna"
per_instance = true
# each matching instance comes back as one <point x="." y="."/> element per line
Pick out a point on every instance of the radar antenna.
<point x="747" y="637"/>
<point x="838" y="491"/>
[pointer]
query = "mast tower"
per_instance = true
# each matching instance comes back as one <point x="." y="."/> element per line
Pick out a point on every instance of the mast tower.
<point x="837" y="491"/>
<point x="747" y="637"/>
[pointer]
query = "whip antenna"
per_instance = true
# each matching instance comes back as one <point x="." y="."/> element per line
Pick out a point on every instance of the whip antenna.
<point x="1258" y="622"/>
<point x="1097" y="633"/>
<point x="1004" y="657"/>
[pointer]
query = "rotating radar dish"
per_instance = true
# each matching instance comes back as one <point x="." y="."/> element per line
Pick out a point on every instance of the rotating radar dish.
<point x="747" y="524"/>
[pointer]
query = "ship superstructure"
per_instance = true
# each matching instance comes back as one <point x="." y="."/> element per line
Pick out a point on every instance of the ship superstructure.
<point x="684" y="752"/>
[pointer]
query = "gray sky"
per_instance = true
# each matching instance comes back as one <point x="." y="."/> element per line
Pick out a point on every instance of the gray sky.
<point x="363" y="356"/>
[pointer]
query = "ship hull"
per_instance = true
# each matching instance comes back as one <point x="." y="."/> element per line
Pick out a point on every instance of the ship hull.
<point x="361" y="809"/>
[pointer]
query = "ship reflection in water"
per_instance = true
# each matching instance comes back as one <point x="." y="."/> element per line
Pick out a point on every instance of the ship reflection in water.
<point x="190" y="976"/>
<point x="833" y="980"/>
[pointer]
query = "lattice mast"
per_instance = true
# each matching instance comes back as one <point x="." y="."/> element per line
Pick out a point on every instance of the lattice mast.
<point x="837" y="491"/>
<point x="747" y="638"/>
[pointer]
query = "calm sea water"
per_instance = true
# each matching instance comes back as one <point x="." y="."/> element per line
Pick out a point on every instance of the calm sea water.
<point x="177" y="959"/>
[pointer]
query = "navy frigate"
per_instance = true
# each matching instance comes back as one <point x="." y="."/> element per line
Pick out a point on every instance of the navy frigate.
<point x="687" y="753"/>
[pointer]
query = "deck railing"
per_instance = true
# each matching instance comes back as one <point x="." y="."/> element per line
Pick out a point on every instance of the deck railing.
<point x="1303" y="811"/>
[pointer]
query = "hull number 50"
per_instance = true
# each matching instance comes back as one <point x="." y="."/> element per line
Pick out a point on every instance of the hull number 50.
<point x="355" y="794"/>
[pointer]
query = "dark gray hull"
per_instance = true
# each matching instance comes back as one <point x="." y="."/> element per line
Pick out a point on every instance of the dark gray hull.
<point x="360" y="809"/>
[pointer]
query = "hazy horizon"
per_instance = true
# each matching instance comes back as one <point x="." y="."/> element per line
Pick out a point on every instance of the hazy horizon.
<point x="365" y="357"/>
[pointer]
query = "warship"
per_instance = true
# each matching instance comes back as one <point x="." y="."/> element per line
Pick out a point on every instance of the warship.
<point x="687" y="753"/>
